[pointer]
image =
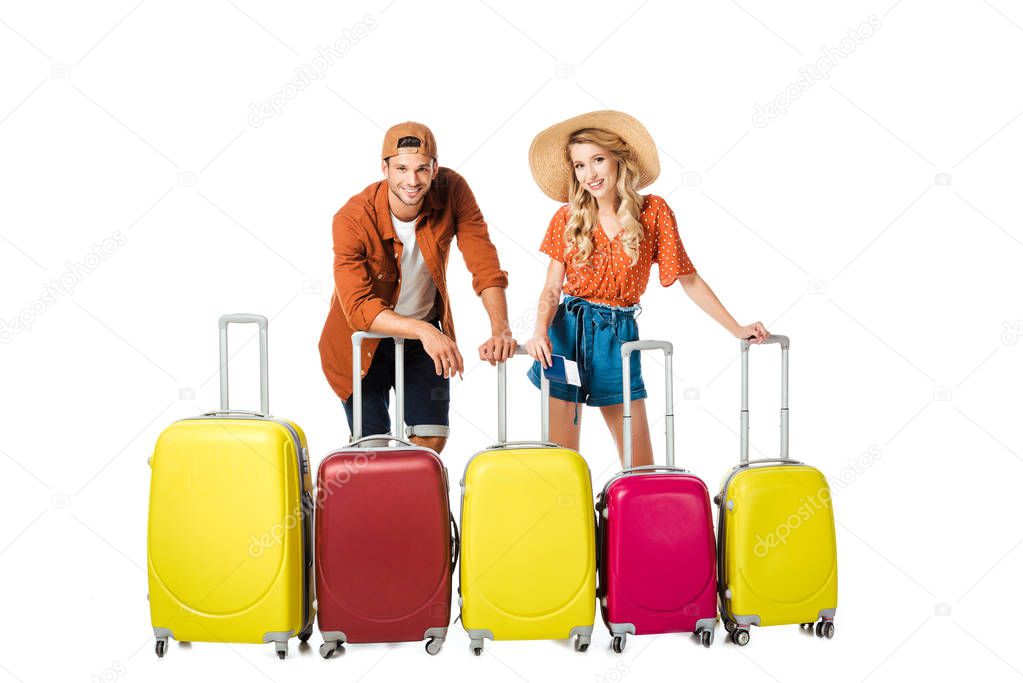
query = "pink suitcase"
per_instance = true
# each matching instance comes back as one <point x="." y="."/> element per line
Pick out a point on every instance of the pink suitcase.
<point x="657" y="559"/>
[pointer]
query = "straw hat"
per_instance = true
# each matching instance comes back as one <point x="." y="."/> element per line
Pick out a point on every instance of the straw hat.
<point x="549" y="163"/>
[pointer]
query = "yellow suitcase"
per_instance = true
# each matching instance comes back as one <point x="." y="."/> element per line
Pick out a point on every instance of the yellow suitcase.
<point x="230" y="513"/>
<point x="777" y="557"/>
<point x="528" y="557"/>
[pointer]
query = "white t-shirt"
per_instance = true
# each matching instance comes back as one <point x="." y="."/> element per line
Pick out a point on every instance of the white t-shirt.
<point x="418" y="290"/>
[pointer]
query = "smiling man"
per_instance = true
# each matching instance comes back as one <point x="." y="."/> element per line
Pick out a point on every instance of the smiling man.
<point x="391" y="244"/>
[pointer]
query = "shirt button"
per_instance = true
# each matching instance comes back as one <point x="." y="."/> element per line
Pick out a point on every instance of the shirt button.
<point x="380" y="276"/>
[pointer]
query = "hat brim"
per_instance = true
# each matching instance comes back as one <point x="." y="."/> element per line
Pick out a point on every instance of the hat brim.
<point x="551" y="169"/>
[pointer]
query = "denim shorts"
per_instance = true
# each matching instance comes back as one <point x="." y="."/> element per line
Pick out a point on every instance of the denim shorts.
<point x="426" y="393"/>
<point x="592" y="335"/>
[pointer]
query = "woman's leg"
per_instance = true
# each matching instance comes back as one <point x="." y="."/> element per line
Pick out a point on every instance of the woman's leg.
<point x="564" y="425"/>
<point x="642" y="450"/>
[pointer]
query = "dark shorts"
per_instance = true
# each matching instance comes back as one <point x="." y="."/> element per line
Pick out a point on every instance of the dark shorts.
<point x="426" y="393"/>
<point x="592" y="335"/>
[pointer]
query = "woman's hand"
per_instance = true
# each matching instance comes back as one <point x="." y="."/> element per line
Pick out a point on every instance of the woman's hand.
<point x="757" y="331"/>
<point x="539" y="347"/>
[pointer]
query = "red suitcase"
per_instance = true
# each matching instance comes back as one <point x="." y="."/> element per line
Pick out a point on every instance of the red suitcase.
<point x="658" y="566"/>
<point x="386" y="542"/>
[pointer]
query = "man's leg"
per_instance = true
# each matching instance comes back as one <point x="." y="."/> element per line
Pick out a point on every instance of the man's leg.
<point x="376" y="387"/>
<point x="427" y="399"/>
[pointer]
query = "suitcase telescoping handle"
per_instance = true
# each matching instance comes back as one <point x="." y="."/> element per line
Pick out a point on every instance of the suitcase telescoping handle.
<point x="399" y="382"/>
<point x="225" y="320"/>
<point x="502" y="403"/>
<point x="628" y="348"/>
<point x="783" y="342"/>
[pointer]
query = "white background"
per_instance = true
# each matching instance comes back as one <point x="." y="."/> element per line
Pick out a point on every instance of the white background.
<point x="900" y="288"/>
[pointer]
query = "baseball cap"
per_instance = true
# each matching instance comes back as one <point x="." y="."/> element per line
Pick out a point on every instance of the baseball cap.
<point x="409" y="138"/>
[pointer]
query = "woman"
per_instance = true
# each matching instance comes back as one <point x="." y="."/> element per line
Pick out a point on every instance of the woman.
<point x="602" y="244"/>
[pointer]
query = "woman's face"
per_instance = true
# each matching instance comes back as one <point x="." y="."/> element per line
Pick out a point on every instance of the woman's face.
<point x="595" y="169"/>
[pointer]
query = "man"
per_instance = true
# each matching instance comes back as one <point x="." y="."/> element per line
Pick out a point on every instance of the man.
<point x="391" y="244"/>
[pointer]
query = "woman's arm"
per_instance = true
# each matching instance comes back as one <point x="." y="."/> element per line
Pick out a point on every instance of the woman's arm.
<point x="539" y="346"/>
<point x="704" y="297"/>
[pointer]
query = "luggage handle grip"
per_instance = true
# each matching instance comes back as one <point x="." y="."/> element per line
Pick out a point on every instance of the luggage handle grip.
<point x="652" y="468"/>
<point x="223" y="322"/>
<point x="628" y="348"/>
<point x="502" y="401"/>
<point x="768" y="461"/>
<point x="744" y="346"/>
<point x="389" y="437"/>
<point x="399" y="382"/>
<point x="514" y="444"/>
<point x="234" y="411"/>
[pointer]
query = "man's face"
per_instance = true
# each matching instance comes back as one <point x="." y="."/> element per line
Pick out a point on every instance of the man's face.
<point x="409" y="176"/>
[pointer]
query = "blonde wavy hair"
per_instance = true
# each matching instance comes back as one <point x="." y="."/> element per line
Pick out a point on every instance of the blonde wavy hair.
<point x="582" y="210"/>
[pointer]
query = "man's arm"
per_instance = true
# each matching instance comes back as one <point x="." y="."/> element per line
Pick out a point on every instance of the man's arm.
<point x="488" y="280"/>
<point x="501" y="345"/>
<point x="367" y="311"/>
<point x="441" y="348"/>
<point x="352" y="281"/>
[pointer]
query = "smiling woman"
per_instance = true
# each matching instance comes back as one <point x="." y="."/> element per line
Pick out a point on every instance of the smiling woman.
<point x="602" y="245"/>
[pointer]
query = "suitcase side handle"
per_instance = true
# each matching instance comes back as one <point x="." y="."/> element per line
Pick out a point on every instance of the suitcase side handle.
<point x="744" y="345"/>
<point x="399" y="382"/>
<point x="628" y="348"/>
<point x="456" y="542"/>
<point x="224" y="321"/>
<point x="502" y="402"/>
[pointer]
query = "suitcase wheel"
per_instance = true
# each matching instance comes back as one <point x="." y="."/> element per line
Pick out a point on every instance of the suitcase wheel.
<point x="582" y="643"/>
<point x="706" y="637"/>
<point x="740" y="636"/>
<point x="330" y="648"/>
<point x="161" y="647"/>
<point x="281" y="649"/>
<point x="476" y="646"/>
<point x="305" y="635"/>
<point x="433" y="645"/>
<point x="730" y="625"/>
<point x="825" y="629"/>
<point x="618" y="644"/>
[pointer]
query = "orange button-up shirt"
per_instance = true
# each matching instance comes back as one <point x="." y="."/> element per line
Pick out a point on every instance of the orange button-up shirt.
<point x="367" y="270"/>
<point x="606" y="276"/>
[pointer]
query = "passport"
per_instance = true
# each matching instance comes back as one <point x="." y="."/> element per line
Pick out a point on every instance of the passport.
<point x="563" y="370"/>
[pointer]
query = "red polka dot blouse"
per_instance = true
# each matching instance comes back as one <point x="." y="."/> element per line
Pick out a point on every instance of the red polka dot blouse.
<point x="606" y="277"/>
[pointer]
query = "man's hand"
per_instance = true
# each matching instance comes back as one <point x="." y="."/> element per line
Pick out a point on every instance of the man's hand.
<point x="442" y="349"/>
<point x="497" y="349"/>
